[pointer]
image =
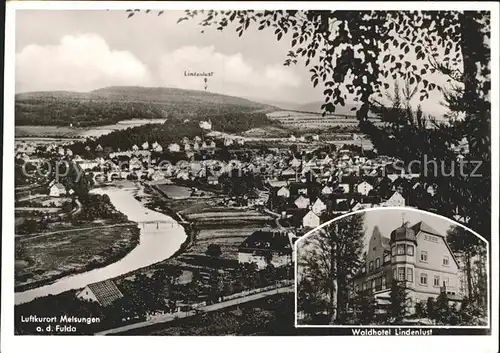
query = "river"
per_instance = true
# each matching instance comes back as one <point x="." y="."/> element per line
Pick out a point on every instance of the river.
<point x="157" y="242"/>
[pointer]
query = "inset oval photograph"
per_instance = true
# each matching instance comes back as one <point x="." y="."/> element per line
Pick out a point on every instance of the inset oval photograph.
<point x="392" y="267"/>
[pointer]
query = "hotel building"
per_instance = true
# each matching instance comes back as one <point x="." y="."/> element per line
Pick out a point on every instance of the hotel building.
<point x="416" y="255"/>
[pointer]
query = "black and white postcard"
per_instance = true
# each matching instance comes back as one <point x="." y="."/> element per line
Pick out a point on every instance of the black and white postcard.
<point x="319" y="170"/>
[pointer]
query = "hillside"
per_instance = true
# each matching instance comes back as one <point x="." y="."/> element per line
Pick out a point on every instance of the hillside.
<point x="112" y="104"/>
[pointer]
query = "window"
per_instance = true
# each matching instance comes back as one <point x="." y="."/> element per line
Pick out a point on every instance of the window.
<point x="401" y="249"/>
<point x="423" y="256"/>
<point x="446" y="261"/>
<point x="436" y="281"/>
<point x="377" y="262"/>
<point x="383" y="282"/>
<point x="387" y="258"/>
<point x="446" y="281"/>
<point x="423" y="279"/>
<point x="393" y="250"/>
<point x="363" y="269"/>
<point x="409" y="250"/>
<point x="356" y="288"/>
<point x="409" y="275"/>
<point x="365" y="286"/>
<point x="401" y="274"/>
<point x="395" y="274"/>
<point x="374" y="283"/>
<point x="371" y="266"/>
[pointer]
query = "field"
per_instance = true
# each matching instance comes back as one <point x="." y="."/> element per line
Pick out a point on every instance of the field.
<point x="313" y="121"/>
<point x="175" y="191"/>
<point x="225" y="226"/>
<point x="69" y="132"/>
<point x="266" y="132"/>
<point x="213" y="223"/>
<point x="40" y="260"/>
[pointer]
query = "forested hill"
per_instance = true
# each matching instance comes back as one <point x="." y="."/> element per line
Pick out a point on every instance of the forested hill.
<point x="112" y="104"/>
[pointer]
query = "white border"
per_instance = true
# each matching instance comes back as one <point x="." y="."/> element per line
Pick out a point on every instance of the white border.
<point x="382" y="209"/>
<point x="10" y="343"/>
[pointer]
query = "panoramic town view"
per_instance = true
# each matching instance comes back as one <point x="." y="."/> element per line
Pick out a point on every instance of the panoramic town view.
<point x="392" y="267"/>
<point x="161" y="185"/>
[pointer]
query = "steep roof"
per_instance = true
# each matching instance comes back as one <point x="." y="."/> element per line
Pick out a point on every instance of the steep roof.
<point x="106" y="292"/>
<point x="421" y="226"/>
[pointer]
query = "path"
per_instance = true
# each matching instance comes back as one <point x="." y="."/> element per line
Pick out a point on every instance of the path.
<point x="171" y="317"/>
<point x="38" y="235"/>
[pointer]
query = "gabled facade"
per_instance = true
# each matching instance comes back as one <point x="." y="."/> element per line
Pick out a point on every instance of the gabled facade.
<point x="417" y="256"/>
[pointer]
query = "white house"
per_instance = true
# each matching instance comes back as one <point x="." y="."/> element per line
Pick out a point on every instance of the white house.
<point x="57" y="190"/>
<point x="302" y="202"/>
<point x="174" y="147"/>
<point x="396" y="200"/>
<point x="283" y="192"/>
<point x="318" y="207"/>
<point x="345" y="187"/>
<point x="158" y="148"/>
<point x="145" y="145"/>
<point x="206" y="125"/>
<point x="311" y="220"/>
<point x="295" y="163"/>
<point x="364" y="188"/>
<point x="327" y="190"/>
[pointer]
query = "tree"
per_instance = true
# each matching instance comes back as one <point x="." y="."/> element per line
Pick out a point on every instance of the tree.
<point x="214" y="250"/>
<point x="420" y="310"/>
<point x="355" y="55"/>
<point x="365" y="307"/>
<point x="398" y="305"/>
<point x="468" y="246"/>
<point x="442" y="309"/>
<point x="430" y="308"/>
<point x="330" y="258"/>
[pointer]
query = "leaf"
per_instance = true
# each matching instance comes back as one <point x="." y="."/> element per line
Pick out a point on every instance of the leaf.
<point x="353" y="109"/>
<point x="160" y="13"/>
<point x="386" y="85"/>
<point x="294" y="42"/>
<point x="328" y="92"/>
<point x="423" y="71"/>
<point x="315" y="82"/>
<point x="386" y="58"/>
<point x="130" y="14"/>
<point x="412" y="80"/>
<point x="280" y="35"/>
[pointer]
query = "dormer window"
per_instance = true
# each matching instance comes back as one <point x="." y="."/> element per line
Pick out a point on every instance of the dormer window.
<point x="446" y="261"/>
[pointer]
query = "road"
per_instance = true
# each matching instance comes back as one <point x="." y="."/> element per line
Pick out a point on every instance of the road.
<point x="218" y="306"/>
<point x="38" y="235"/>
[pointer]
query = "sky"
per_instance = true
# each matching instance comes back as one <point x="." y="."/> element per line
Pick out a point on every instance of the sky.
<point x="82" y="50"/>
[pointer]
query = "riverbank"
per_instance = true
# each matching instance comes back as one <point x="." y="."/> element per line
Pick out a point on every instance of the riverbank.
<point x="160" y="238"/>
<point x="59" y="256"/>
